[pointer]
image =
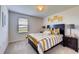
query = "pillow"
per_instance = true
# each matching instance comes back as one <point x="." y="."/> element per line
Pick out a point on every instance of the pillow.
<point x="57" y="31"/>
<point x="47" y="32"/>
<point x="52" y="31"/>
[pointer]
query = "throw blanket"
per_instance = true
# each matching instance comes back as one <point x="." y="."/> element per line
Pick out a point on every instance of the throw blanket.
<point x="44" y="42"/>
<point x="48" y="42"/>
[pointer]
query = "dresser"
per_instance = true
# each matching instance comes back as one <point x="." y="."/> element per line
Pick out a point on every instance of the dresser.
<point x="70" y="42"/>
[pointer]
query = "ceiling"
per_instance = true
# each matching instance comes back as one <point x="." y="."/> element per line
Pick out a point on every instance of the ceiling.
<point x="31" y="9"/>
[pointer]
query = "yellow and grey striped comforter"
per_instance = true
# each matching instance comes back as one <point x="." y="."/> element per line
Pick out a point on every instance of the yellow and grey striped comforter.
<point x="45" y="42"/>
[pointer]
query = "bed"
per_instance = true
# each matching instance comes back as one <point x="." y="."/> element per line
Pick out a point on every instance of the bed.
<point x="43" y="42"/>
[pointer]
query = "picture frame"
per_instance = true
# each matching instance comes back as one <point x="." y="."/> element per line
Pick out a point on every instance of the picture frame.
<point x="3" y="19"/>
<point x="60" y="18"/>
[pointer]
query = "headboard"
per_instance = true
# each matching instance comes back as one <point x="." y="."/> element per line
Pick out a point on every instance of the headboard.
<point x="60" y="26"/>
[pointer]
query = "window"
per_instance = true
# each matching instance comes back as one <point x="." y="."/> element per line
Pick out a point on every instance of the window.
<point x="22" y="25"/>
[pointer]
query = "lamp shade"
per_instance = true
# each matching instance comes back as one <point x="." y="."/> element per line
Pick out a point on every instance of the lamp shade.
<point x="72" y="26"/>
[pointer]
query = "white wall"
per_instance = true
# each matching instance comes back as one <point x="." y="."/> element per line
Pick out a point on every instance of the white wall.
<point x="34" y="26"/>
<point x="3" y="30"/>
<point x="70" y="16"/>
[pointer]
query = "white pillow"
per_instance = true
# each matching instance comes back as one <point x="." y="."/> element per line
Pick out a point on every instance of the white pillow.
<point x="47" y="32"/>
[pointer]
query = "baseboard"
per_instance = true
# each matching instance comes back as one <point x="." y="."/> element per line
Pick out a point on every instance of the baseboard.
<point x="16" y="41"/>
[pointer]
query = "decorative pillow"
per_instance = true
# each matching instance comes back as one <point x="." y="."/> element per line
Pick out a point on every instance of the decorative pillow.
<point x="57" y="31"/>
<point x="52" y="31"/>
<point x="47" y="32"/>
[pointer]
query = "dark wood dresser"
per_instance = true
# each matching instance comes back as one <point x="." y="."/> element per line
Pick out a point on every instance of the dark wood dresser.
<point x="70" y="42"/>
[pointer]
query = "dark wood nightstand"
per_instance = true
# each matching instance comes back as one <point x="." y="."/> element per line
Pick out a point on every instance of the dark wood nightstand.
<point x="70" y="42"/>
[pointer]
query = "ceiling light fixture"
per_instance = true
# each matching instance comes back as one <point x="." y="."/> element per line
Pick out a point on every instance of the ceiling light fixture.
<point x="40" y="8"/>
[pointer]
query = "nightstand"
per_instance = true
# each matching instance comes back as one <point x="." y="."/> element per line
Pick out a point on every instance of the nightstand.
<point x="70" y="42"/>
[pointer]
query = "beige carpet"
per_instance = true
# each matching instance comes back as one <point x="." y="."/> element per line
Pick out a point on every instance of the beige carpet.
<point x="22" y="47"/>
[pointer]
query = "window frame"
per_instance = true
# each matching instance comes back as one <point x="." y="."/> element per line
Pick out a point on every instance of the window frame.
<point x="19" y="24"/>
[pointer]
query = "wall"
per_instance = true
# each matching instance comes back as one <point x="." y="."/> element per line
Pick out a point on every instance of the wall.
<point x="3" y="30"/>
<point x="70" y="16"/>
<point x="35" y="24"/>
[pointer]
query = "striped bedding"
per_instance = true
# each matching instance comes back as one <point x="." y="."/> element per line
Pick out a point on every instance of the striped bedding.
<point x="45" y="42"/>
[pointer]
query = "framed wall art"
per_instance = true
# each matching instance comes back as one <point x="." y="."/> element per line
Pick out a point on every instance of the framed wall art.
<point x="3" y="19"/>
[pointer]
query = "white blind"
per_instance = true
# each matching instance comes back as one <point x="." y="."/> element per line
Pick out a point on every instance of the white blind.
<point x="22" y="25"/>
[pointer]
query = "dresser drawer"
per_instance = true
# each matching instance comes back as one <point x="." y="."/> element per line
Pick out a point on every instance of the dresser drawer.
<point x="71" y="43"/>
